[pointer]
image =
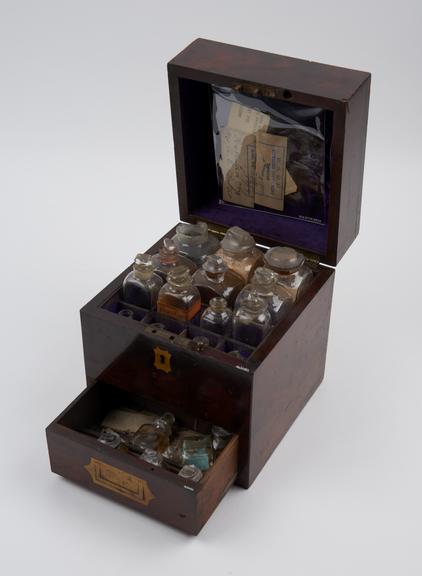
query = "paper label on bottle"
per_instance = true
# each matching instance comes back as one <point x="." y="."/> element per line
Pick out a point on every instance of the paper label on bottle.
<point x="182" y="314"/>
<point x="270" y="180"/>
<point x="238" y="159"/>
<point x="247" y="119"/>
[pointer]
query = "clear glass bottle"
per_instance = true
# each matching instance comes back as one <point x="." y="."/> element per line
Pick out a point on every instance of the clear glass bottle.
<point x="190" y="472"/>
<point x="215" y="279"/>
<point x="141" y="285"/>
<point x="265" y="284"/>
<point x="154" y="435"/>
<point x="217" y="316"/>
<point x="293" y="273"/>
<point x="168" y="257"/>
<point x="220" y="438"/>
<point x="197" y="450"/>
<point x="194" y="241"/>
<point x="179" y="298"/>
<point x="152" y="457"/>
<point x="239" y="252"/>
<point x="110" y="438"/>
<point x="252" y="320"/>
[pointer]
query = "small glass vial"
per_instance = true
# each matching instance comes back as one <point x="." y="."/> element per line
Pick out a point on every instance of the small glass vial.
<point x="293" y="273"/>
<point x="154" y="435"/>
<point x="197" y="450"/>
<point x="239" y="252"/>
<point x="152" y="457"/>
<point x="215" y="279"/>
<point x="141" y="285"/>
<point x="110" y="438"/>
<point x="217" y="316"/>
<point x="194" y="241"/>
<point x="252" y="320"/>
<point x="179" y="298"/>
<point x="190" y="472"/>
<point x="168" y="257"/>
<point x="265" y="284"/>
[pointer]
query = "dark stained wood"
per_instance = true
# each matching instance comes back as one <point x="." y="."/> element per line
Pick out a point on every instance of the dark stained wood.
<point x="179" y="503"/>
<point x="290" y="374"/>
<point x="343" y="91"/>
<point x="227" y="62"/>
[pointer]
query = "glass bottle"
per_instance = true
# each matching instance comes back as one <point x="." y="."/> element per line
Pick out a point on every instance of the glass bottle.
<point x="217" y="316"/>
<point x="239" y="252"/>
<point x="293" y="273"/>
<point x="141" y="285"/>
<point x="152" y="457"/>
<point x="154" y="435"/>
<point x="252" y="320"/>
<point x="110" y="438"/>
<point x="220" y="438"/>
<point x="168" y="257"/>
<point x="265" y="284"/>
<point x="214" y="279"/>
<point x="179" y="298"/>
<point x="190" y="472"/>
<point x="194" y="241"/>
<point x="197" y="450"/>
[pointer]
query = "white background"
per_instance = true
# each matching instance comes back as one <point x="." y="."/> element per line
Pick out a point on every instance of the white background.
<point x="87" y="179"/>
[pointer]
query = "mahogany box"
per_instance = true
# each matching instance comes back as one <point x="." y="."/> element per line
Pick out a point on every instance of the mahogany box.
<point x="258" y="396"/>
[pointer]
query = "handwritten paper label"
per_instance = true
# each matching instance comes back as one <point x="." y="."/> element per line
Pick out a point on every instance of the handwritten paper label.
<point x="247" y="119"/>
<point x="238" y="166"/>
<point x="270" y="181"/>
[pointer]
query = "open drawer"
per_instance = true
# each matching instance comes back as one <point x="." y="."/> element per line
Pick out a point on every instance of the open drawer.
<point x="119" y="475"/>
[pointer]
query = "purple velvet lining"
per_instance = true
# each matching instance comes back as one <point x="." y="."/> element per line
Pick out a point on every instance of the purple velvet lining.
<point x="300" y="233"/>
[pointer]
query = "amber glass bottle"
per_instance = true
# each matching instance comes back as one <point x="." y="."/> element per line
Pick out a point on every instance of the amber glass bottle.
<point x="179" y="298"/>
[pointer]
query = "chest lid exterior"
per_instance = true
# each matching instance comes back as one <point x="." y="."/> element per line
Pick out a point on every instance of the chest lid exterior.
<point x="273" y="144"/>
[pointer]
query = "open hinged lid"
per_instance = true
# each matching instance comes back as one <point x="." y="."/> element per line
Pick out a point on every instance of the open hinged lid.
<point x="275" y="145"/>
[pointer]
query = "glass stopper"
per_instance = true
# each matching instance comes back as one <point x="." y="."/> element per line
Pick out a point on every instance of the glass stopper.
<point x="143" y="266"/>
<point x="237" y="241"/>
<point x="284" y="259"/>
<point x="179" y="276"/>
<point x="264" y="276"/>
<point x="218" y="304"/>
